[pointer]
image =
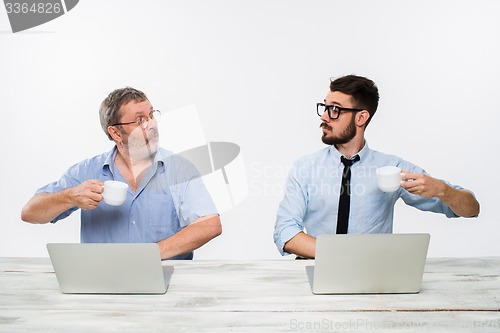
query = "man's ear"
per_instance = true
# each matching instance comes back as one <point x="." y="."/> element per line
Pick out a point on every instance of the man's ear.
<point x="362" y="118"/>
<point x="115" y="134"/>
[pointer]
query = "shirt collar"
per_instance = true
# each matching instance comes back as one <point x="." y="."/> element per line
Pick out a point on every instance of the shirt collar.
<point x="160" y="158"/>
<point x="363" y="153"/>
<point x="109" y="163"/>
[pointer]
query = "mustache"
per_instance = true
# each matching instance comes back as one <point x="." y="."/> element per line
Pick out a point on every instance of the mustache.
<point x="152" y="134"/>
<point x="325" y="125"/>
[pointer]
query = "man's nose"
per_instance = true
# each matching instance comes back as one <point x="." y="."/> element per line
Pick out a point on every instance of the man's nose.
<point x="325" y="117"/>
<point x="151" y="123"/>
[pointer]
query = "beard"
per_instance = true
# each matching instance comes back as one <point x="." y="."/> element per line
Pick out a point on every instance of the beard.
<point x="142" y="145"/>
<point x="344" y="137"/>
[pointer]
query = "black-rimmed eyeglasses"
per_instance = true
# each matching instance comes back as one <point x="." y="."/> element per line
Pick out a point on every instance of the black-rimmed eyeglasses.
<point x="333" y="110"/>
<point x="143" y="121"/>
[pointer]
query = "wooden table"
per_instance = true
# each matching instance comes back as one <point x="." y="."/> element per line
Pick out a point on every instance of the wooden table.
<point x="252" y="296"/>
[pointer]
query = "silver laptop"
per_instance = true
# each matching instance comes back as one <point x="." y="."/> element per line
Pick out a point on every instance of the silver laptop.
<point x="368" y="263"/>
<point x="111" y="268"/>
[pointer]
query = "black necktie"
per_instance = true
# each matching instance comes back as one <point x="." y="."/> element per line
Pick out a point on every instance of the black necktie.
<point x="345" y="192"/>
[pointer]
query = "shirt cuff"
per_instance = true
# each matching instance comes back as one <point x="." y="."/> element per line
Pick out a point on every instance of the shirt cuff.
<point x="284" y="236"/>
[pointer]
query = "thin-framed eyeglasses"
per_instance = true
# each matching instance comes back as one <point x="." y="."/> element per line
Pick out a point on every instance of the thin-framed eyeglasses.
<point x="143" y="121"/>
<point x="333" y="110"/>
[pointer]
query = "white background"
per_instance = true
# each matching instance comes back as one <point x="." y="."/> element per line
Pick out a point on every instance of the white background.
<point x="255" y="69"/>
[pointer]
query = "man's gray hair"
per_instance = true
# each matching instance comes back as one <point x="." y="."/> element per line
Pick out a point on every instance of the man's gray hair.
<point x="109" y="112"/>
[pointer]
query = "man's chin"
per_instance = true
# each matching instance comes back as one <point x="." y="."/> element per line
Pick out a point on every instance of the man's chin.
<point x="152" y="147"/>
<point x="327" y="140"/>
<point x="146" y="151"/>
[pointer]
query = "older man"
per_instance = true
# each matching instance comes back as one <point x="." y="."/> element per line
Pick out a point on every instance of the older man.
<point x="166" y="203"/>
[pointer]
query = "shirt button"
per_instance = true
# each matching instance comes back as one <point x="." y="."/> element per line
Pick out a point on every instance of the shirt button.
<point x="133" y="222"/>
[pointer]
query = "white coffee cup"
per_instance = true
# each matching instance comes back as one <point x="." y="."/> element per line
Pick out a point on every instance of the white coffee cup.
<point x="115" y="192"/>
<point x="389" y="178"/>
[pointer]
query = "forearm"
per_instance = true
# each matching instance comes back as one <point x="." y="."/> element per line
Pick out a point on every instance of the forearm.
<point x="45" y="207"/>
<point x="461" y="202"/>
<point x="302" y="245"/>
<point x="191" y="237"/>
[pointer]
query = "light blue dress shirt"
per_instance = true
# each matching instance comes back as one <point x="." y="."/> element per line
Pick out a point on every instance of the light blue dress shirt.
<point x="170" y="196"/>
<point x="312" y="193"/>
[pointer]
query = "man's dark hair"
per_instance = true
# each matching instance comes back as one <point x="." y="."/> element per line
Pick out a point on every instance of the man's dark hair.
<point x="109" y="112"/>
<point x="364" y="92"/>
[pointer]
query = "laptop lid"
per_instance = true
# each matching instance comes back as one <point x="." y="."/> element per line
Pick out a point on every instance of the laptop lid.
<point x="368" y="263"/>
<point x="111" y="268"/>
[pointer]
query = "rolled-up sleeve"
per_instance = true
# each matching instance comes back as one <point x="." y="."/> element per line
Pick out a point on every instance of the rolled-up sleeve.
<point x="69" y="179"/>
<point x="426" y="204"/>
<point x="291" y="211"/>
